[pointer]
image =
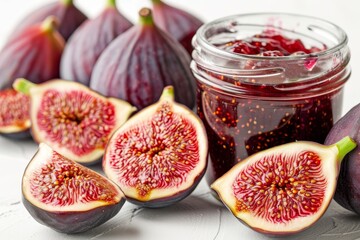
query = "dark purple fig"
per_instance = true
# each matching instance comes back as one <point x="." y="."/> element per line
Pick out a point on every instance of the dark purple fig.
<point x="158" y="157"/>
<point x="14" y="114"/>
<point x="178" y="23"/>
<point x="139" y="63"/>
<point x="83" y="49"/>
<point x="67" y="196"/>
<point x="71" y="118"/>
<point x="68" y="15"/>
<point x="348" y="187"/>
<point x="284" y="189"/>
<point x="34" y="54"/>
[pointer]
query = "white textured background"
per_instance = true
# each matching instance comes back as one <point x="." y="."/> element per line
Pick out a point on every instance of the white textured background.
<point x="199" y="216"/>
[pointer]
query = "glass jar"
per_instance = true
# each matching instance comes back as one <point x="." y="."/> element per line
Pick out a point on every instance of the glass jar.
<point x="249" y="103"/>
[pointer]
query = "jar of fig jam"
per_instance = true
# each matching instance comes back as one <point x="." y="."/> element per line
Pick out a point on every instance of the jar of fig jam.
<point x="267" y="79"/>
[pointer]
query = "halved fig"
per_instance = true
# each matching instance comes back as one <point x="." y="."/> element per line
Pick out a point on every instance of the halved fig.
<point x="139" y="63"/>
<point x="14" y="114"/>
<point x="284" y="189"/>
<point x="74" y="120"/>
<point x="68" y="15"/>
<point x="178" y="23"/>
<point x="159" y="156"/>
<point x="34" y="54"/>
<point x="83" y="49"/>
<point x="67" y="196"/>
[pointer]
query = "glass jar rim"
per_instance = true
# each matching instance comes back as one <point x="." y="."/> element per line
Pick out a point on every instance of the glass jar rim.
<point x="201" y="40"/>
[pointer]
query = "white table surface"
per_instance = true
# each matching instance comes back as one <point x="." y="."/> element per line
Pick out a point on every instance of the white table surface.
<point x="199" y="216"/>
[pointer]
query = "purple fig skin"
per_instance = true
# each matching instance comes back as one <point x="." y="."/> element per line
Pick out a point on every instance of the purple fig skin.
<point x="347" y="192"/>
<point x="68" y="15"/>
<point x="178" y="23"/>
<point x="73" y="222"/>
<point x="34" y="54"/>
<point x="88" y="42"/>
<point x="139" y="63"/>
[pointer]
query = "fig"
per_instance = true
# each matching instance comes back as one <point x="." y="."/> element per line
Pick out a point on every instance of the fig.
<point x="14" y="114"/>
<point x="347" y="192"/>
<point x="139" y="63"/>
<point x="178" y="23"/>
<point x="67" y="196"/>
<point x="158" y="157"/>
<point x="72" y="119"/>
<point x="34" y="54"/>
<point x="82" y="50"/>
<point x="68" y="15"/>
<point x="284" y="189"/>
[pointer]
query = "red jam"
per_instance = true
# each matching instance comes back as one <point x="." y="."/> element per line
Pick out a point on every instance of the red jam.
<point x="262" y="114"/>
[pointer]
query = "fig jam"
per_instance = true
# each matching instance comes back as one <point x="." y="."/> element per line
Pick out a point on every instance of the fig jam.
<point x="259" y="88"/>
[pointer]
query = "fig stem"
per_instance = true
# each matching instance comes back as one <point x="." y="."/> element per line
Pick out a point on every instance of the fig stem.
<point x="67" y="2"/>
<point x="168" y="94"/>
<point x="22" y="85"/>
<point x="344" y="146"/>
<point x="156" y="1"/>
<point x="111" y="3"/>
<point x="146" y="16"/>
<point x="49" y="24"/>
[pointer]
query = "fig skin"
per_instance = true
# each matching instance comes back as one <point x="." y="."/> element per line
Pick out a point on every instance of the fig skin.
<point x="34" y="54"/>
<point x="83" y="49"/>
<point x="178" y="23"/>
<point x="347" y="192"/>
<point x="66" y="219"/>
<point x="68" y="15"/>
<point x="139" y="63"/>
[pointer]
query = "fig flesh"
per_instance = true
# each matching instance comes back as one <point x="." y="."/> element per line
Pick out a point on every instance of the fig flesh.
<point x="14" y="114"/>
<point x="284" y="189"/>
<point x="68" y="15"/>
<point x="347" y="192"/>
<point x="83" y="49"/>
<point x="72" y="119"/>
<point x="34" y="54"/>
<point x="178" y="23"/>
<point x="159" y="156"/>
<point x="67" y="196"/>
<point x="139" y="63"/>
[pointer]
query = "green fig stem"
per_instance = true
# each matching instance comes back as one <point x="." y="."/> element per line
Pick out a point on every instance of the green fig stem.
<point x="111" y="3"/>
<point x="168" y="94"/>
<point x="146" y="16"/>
<point x="156" y="1"/>
<point x="67" y="2"/>
<point x="50" y="24"/>
<point x="344" y="146"/>
<point x="22" y="85"/>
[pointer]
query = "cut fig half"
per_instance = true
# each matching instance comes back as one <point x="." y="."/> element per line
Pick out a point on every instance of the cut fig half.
<point x="74" y="120"/>
<point x="284" y="189"/>
<point x="159" y="156"/>
<point x="67" y="196"/>
<point x="14" y="114"/>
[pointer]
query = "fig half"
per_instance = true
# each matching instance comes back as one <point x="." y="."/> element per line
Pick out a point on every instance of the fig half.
<point x="347" y="192"/>
<point x="74" y="120"/>
<point x="178" y="23"/>
<point x="14" y="114"/>
<point x="83" y="49"/>
<point x="68" y="15"/>
<point x="34" y="54"/>
<point x="139" y="63"/>
<point x="67" y="196"/>
<point x="159" y="156"/>
<point x="284" y="189"/>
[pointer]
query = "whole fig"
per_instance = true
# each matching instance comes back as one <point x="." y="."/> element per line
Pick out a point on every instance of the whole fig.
<point x="139" y="63"/>
<point x="68" y="15"/>
<point x="178" y="23"/>
<point x="83" y="49"/>
<point x="33" y="54"/>
<point x="348" y="187"/>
